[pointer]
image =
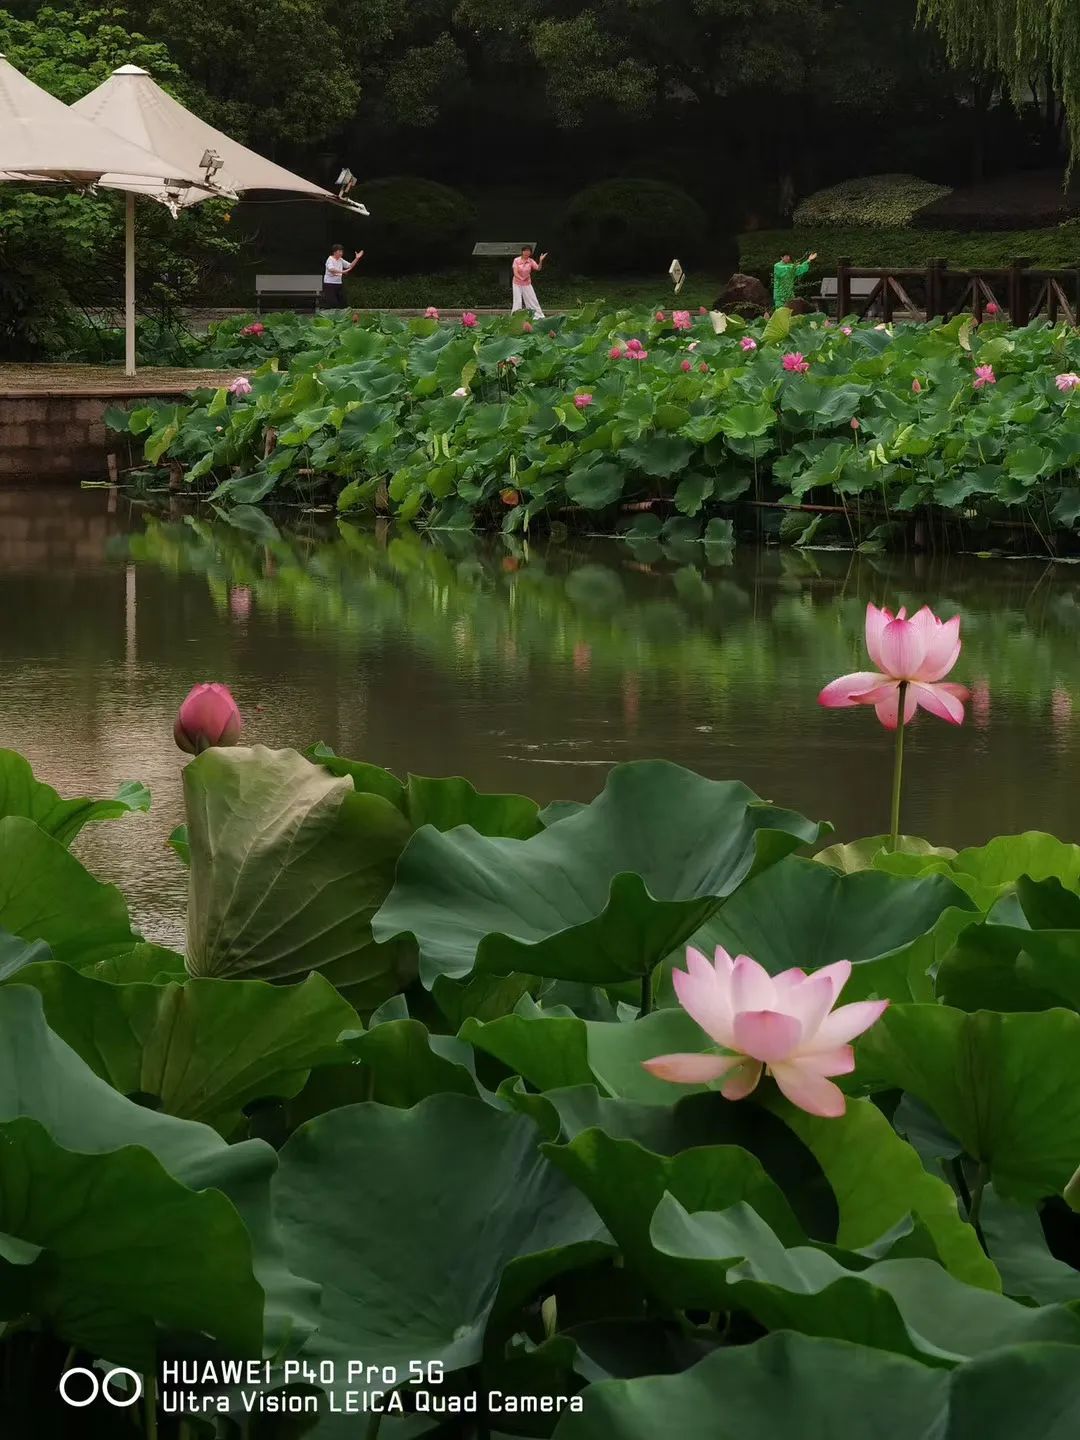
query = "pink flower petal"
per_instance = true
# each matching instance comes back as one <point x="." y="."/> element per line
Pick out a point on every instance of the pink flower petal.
<point x="942" y="645"/>
<point x="810" y="1092"/>
<point x="889" y="705"/>
<point x="876" y="620"/>
<point x="838" y="974"/>
<point x="810" y="1002"/>
<point x="751" y="988"/>
<point x="903" y="647"/>
<point x="938" y="701"/>
<point x="767" y="1035"/>
<point x="838" y="1061"/>
<point x="788" y="980"/>
<point x="850" y="689"/>
<point x="690" y="1069"/>
<point x="742" y="1080"/>
<point x="706" y="998"/>
<point x="844" y="1024"/>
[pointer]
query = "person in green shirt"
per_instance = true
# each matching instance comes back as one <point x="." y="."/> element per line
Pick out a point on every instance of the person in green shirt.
<point x="784" y="275"/>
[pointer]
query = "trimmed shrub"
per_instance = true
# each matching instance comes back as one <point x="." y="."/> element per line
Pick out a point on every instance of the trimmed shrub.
<point x="1013" y="202"/>
<point x="629" y="226"/>
<point x="1058" y="248"/>
<point x="883" y="202"/>
<point x="415" y="225"/>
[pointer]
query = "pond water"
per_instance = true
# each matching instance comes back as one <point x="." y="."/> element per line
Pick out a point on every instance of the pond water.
<point x="522" y="671"/>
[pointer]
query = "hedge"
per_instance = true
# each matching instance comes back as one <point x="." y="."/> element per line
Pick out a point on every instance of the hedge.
<point x="881" y="201"/>
<point x="1012" y="202"/>
<point x="415" y="224"/>
<point x="759" y="249"/>
<point x="632" y="226"/>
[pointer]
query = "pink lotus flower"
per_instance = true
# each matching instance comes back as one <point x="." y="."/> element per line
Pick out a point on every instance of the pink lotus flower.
<point x="686" y="366"/>
<point x="701" y="310"/>
<point x="916" y="387"/>
<point x="527" y="328"/>
<point x="208" y="716"/>
<point x="255" y="328"/>
<point x="796" y="363"/>
<point x="460" y="393"/>
<point x="660" y="315"/>
<point x="984" y="375"/>
<point x="615" y="353"/>
<point x="703" y="368"/>
<point x="917" y="653"/>
<point x="993" y="308"/>
<point x="468" y="319"/>
<point x="681" y="320"/>
<point x="1067" y="382"/>
<point x="785" y="1025"/>
<point x="633" y="344"/>
<point x="431" y="313"/>
<point x="637" y="355"/>
<point x="845" y="329"/>
<point x="583" y="401"/>
<point x="854" y="423"/>
<point x="747" y="343"/>
<point x="693" y="344"/>
<point x="240" y="386"/>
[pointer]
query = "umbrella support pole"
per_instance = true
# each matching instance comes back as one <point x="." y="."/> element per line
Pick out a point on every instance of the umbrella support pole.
<point x="129" y="284"/>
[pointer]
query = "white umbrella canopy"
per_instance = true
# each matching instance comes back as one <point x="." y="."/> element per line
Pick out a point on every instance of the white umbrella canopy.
<point x="132" y="104"/>
<point x="42" y="139"/>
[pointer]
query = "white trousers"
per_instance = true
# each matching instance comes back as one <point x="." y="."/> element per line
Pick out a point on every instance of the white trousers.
<point x="525" y="299"/>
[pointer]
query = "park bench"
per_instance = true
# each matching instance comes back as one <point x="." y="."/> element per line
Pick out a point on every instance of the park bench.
<point x="859" y="289"/>
<point x="291" y="286"/>
<point x="500" y="249"/>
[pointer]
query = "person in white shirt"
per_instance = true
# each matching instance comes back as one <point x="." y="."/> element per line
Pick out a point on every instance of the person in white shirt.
<point x="334" y="273"/>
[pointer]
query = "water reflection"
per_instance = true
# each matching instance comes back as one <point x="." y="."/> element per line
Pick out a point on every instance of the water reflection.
<point x="528" y="670"/>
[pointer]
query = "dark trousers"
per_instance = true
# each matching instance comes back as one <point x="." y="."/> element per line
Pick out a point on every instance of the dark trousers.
<point x="333" y="297"/>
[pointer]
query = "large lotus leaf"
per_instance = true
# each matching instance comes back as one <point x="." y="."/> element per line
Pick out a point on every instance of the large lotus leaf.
<point x="22" y="794"/>
<point x="288" y="865"/>
<point x="864" y="854"/>
<point x="444" y="802"/>
<point x="1007" y="1086"/>
<point x="598" y="897"/>
<point x="420" y="1224"/>
<point x="16" y="954"/>
<point x="912" y="1306"/>
<point x="203" y="1049"/>
<point x="800" y="913"/>
<point x="878" y="1179"/>
<point x="1006" y="967"/>
<point x="47" y="895"/>
<point x="753" y="1392"/>
<point x="123" y="1203"/>
<point x="986" y="872"/>
<point x="405" y="1064"/>
<point x="1017" y="1245"/>
<point x="626" y="1183"/>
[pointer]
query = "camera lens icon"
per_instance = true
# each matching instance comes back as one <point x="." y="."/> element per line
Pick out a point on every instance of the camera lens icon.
<point x="80" y="1387"/>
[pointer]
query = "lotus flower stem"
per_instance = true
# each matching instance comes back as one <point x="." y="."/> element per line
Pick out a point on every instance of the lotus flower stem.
<point x="646" y="992"/>
<point x="898" y="767"/>
<point x="975" y="1206"/>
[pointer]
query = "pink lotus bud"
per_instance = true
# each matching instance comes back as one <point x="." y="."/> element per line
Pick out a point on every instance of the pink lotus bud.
<point x="660" y="315"/>
<point x="845" y="330"/>
<point x="701" y="310"/>
<point x="993" y="308"/>
<point x="583" y="401"/>
<point x="527" y="328"/>
<point x="460" y="393"/>
<point x="207" y="717"/>
<point x="615" y="353"/>
<point x="703" y="368"/>
<point x="854" y="423"/>
<point x="240" y="386"/>
<point x="431" y="313"/>
<point x="468" y="319"/>
<point x="916" y="387"/>
<point x="634" y="344"/>
<point x="686" y="366"/>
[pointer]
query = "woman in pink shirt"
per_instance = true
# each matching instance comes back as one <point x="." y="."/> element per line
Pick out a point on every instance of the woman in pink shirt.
<point x="524" y="294"/>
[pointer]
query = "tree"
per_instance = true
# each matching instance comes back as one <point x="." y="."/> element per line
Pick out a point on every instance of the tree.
<point x="1034" y="45"/>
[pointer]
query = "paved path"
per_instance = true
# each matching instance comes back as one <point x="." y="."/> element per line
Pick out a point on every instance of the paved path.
<point x="94" y="381"/>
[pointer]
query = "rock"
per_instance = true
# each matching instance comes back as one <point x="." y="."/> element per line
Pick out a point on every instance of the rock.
<point x="744" y="295"/>
<point x="801" y="306"/>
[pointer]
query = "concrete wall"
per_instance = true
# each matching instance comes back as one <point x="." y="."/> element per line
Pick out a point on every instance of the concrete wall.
<point x="56" y="438"/>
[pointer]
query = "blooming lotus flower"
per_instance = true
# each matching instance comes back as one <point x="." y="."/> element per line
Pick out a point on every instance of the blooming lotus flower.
<point x="796" y="363"/>
<point x="583" y="401"/>
<point x="527" y="328"/>
<point x="686" y="366"/>
<point x="460" y="393"/>
<point x="984" y="375"/>
<point x="916" y="387"/>
<point x="255" y="328"/>
<point x="637" y="355"/>
<point x="681" y="320"/>
<point x="208" y="716"/>
<point x="845" y="329"/>
<point x="1067" y="382"/>
<point x="240" y="386"/>
<point x="784" y="1024"/>
<point x="634" y="344"/>
<point x="431" y="313"/>
<point x="747" y="343"/>
<point x="468" y="319"/>
<point x="615" y="353"/>
<point x="918" y="653"/>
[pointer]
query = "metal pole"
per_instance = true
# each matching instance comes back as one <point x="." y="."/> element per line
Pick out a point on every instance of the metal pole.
<point x="129" y="285"/>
